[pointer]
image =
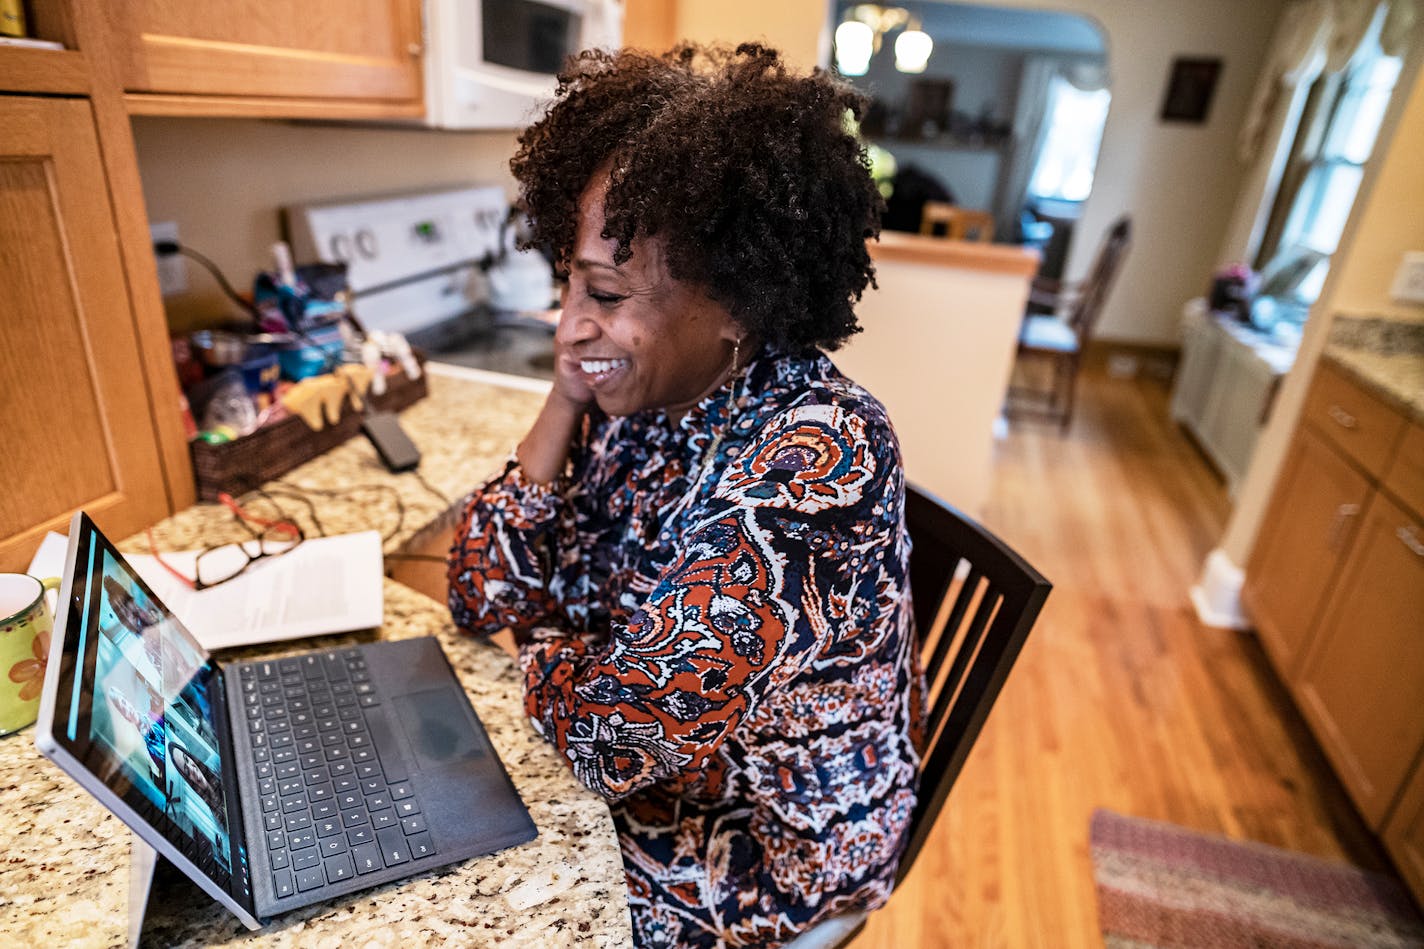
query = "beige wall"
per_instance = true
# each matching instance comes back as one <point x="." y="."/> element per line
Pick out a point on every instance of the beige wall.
<point x="796" y="27"/>
<point x="1388" y="220"/>
<point x="224" y="180"/>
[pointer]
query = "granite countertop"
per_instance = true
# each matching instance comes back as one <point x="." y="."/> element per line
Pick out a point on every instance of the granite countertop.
<point x="465" y="430"/>
<point x="64" y="875"/>
<point x="1384" y="355"/>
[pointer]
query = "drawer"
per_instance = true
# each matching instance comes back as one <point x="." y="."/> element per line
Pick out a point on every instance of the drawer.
<point x="1405" y="478"/>
<point x="1361" y="425"/>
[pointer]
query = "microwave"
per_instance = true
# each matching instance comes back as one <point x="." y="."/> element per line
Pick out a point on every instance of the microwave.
<point x="491" y="64"/>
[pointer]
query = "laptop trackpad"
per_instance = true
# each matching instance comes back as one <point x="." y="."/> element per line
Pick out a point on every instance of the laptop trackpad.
<point x="437" y="722"/>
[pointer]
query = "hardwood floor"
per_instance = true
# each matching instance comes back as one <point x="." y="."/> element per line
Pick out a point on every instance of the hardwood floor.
<point x="1121" y="698"/>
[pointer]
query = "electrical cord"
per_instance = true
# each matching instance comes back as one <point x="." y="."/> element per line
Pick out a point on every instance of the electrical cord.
<point x="169" y="248"/>
<point x="431" y="488"/>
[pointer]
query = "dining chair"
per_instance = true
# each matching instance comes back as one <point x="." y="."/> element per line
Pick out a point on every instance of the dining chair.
<point x="960" y="224"/>
<point x="1060" y="336"/>
<point x="975" y="601"/>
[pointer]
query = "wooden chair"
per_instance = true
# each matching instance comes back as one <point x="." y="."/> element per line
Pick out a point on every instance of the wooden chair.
<point x="975" y="601"/>
<point x="960" y="224"/>
<point x="1060" y="337"/>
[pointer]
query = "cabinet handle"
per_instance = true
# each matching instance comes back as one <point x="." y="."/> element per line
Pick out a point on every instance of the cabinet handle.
<point x="415" y="50"/>
<point x="1342" y="418"/>
<point x="1343" y="513"/>
<point x="1410" y="539"/>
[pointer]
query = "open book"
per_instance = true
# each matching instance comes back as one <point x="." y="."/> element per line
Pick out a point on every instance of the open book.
<point x="324" y="585"/>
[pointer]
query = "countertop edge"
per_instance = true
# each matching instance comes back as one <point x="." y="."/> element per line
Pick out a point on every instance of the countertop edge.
<point x="968" y="255"/>
<point x="1340" y="358"/>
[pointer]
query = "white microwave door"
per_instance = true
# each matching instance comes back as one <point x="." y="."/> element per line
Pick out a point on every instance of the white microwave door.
<point x="493" y="62"/>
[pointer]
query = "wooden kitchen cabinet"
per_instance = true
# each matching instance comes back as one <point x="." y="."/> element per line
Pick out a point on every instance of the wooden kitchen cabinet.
<point x="1308" y="528"/>
<point x="77" y="426"/>
<point x="1404" y="834"/>
<point x="1335" y="586"/>
<point x="1362" y="684"/>
<point x="323" y="58"/>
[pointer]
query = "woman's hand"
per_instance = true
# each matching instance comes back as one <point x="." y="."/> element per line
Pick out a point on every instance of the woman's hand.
<point x="569" y="380"/>
<point x="569" y="383"/>
<point x="545" y="450"/>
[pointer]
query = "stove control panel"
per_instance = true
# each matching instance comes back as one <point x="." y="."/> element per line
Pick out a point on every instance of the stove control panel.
<point x="412" y="259"/>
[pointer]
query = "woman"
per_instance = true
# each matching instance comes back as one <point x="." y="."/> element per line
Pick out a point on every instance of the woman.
<point x="700" y="542"/>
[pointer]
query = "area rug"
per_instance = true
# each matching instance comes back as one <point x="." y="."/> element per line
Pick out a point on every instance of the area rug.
<point x="1160" y="885"/>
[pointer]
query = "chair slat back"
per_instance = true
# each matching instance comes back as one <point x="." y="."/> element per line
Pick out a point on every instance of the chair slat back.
<point x="975" y="601"/>
<point x="1100" y="278"/>
<point x="960" y="224"/>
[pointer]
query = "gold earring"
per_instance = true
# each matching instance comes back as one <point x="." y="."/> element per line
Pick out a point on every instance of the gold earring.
<point x="736" y="352"/>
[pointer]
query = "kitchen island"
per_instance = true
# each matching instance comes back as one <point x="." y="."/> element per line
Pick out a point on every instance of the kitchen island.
<point x="64" y="877"/>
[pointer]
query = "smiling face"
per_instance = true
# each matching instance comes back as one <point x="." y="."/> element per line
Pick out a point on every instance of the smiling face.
<point x="642" y="339"/>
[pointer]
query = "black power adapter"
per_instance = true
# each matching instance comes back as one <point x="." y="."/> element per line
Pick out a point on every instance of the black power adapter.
<point x="391" y="442"/>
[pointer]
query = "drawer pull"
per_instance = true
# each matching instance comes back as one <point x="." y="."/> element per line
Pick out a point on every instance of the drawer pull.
<point x="1342" y="418"/>
<point x="1343" y="513"/>
<point x="1410" y="539"/>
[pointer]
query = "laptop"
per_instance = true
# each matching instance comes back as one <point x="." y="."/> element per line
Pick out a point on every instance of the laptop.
<point x="272" y="784"/>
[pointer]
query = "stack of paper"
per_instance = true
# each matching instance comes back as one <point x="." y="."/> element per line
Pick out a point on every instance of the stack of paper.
<point x="324" y="585"/>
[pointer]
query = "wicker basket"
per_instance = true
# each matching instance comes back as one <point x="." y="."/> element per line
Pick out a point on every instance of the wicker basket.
<point x="273" y="450"/>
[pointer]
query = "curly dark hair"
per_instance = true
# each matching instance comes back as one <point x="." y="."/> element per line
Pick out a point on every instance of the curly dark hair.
<point x="751" y="176"/>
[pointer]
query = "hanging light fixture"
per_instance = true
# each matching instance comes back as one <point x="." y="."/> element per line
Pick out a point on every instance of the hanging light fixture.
<point x="854" y="45"/>
<point x="859" y="37"/>
<point x="912" y="51"/>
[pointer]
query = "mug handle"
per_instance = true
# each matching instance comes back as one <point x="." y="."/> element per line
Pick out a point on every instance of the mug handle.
<point x="51" y="585"/>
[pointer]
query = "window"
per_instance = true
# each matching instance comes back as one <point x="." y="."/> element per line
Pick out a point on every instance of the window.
<point x="1337" y="133"/>
<point x="1064" y="170"/>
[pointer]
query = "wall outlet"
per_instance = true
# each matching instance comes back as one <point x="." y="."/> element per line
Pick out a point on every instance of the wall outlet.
<point x="1409" y="278"/>
<point x="172" y="268"/>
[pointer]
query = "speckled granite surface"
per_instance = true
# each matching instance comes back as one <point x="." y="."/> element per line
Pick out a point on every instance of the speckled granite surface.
<point x="1384" y="355"/>
<point x="64" y="870"/>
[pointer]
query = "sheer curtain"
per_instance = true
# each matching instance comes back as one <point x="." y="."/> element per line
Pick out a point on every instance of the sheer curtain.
<point x="1031" y="123"/>
<point x="1315" y="37"/>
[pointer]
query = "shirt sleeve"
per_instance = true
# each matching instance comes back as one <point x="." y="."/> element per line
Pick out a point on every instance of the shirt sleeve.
<point x="758" y="587"/>
<point x="503" y="565"/>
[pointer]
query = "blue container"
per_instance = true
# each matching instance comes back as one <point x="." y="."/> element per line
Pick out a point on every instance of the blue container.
<point x="260" y="371"/>
<point x="319" y="352"/>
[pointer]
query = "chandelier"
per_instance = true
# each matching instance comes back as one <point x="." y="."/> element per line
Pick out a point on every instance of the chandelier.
<point x="859" y="37"/>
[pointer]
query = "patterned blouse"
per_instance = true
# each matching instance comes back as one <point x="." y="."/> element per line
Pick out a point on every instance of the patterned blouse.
<point x="718" y="635"/>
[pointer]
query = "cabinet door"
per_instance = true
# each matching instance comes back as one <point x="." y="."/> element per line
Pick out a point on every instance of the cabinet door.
<point x="1404" y="834"/>
<point x="1307" y="529"/>
<point x="75" y="424"/>
<point x="1201" y="343"/>
<point x="312" y="49"/>
<point x="1362" y="685"/>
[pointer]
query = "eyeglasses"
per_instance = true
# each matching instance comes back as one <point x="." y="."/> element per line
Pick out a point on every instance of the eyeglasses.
<point x="223" y="562"/>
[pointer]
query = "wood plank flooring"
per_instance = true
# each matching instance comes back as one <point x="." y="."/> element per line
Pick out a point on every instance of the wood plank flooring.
<point x="1121" y="699"/>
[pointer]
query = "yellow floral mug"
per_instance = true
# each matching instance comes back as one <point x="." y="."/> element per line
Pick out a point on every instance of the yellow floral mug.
<point x="26" y="623"/>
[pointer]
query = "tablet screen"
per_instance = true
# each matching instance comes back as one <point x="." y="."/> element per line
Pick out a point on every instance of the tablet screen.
<point x="140" y="705"/>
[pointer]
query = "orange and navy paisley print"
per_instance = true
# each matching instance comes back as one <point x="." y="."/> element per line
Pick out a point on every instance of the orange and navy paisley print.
<point x="720" y="646"/>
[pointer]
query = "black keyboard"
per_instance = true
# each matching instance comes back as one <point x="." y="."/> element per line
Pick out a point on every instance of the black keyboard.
<point x="336" y="802"/>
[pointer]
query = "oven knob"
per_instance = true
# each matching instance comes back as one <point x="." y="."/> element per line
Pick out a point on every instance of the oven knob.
<point x="341" y="247"/>
<point x="366" y="243"/>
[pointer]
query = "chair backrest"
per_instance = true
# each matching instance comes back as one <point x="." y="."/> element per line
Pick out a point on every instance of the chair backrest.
<point x="960" y="224"/>
<point x="1100" y="279"/>
<point x="975" y="601"/>
<point x="935" y="213"/>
